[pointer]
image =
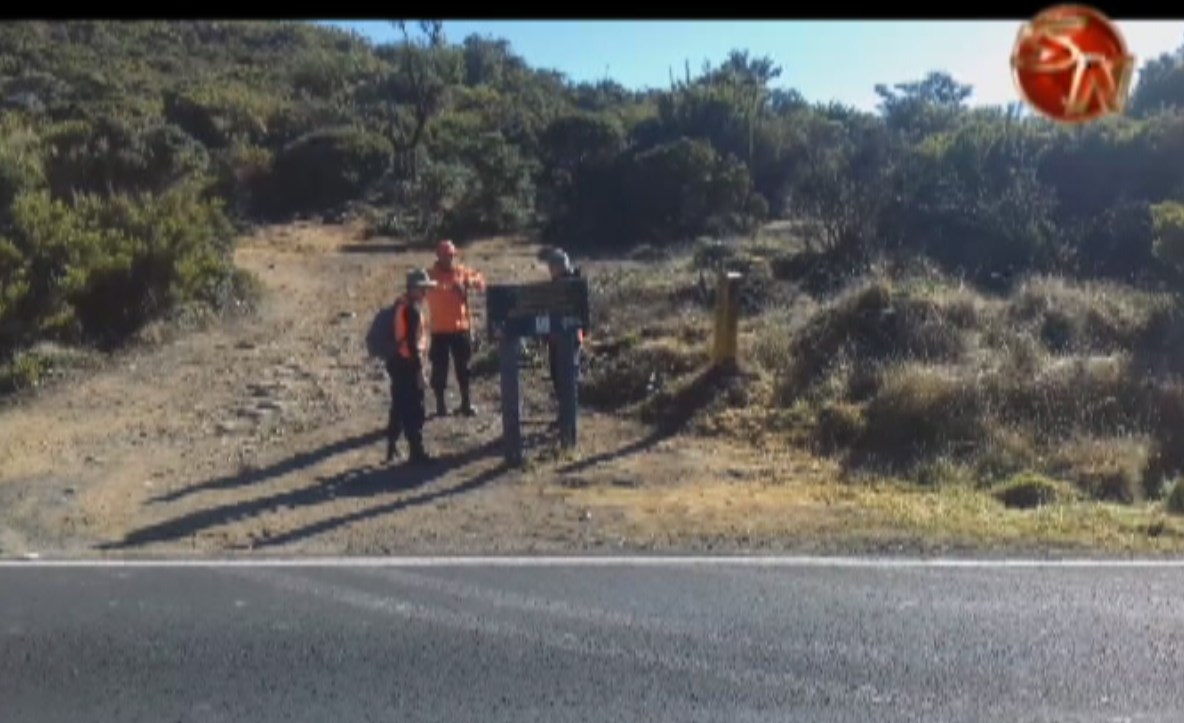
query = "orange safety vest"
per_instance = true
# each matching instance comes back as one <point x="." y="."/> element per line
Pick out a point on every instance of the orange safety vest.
<point x="403" y="307"/>
<point x="448" y="301"/>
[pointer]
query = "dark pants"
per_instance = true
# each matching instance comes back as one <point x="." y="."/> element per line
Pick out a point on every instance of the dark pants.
<point x="458" y="346"/>
<point x="553" y="363"/>
<point x="407" y="413"/>
<point x="394" y="427"/>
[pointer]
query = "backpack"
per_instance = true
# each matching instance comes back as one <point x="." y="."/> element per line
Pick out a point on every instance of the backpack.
<point x="380" y="339"/>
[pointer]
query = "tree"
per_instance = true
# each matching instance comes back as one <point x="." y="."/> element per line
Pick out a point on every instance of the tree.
<point x="843" y="185"/>
<point x="971" y="200"/>
<point x="1160" y="86"/>
<point x="1168" y="224"/>
<point x="923" y="107"/>
<point x="406" y="98"/>
<point x="327" y="168"/>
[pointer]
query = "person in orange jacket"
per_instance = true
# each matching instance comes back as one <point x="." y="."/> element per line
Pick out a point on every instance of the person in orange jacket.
<point x="451" y="324"/>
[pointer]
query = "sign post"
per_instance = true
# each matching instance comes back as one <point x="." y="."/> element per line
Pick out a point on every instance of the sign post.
<point x="555" y="310"/>
<point x="508" y="352"/>
<point x="569" y="387"/>
<point x="727" y="320"/>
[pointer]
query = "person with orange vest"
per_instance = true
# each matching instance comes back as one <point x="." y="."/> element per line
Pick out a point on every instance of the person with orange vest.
<point x="407" y="368"/>
<point x="451" y="322"/>
<point x="560" y="267"/>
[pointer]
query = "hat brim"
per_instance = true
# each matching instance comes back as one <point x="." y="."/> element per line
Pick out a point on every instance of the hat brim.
<point x="422" y="285"/>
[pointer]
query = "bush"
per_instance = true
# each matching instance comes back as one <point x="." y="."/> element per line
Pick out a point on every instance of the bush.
<point x="922" y="412"/>
<point x="1167" y="221"/>
<point x="21" y="167"/>
<point x="496" y="195"/>
<point x="680" y="190"/>
<point x="1084" y="317"/>
<point x="1117" y="243"/>
<point x="972" y="202"/>
<point x="839" y="426"/>
<point x="112" y="155"/>
<point x="99" y="268"/>
<point x="876" y="322"/>
<point x="631" y="372"/>
<point x="1028" y="491"/>
<point x="327" y="168"/>
<point x="1175" y="500"/>
<point x="241" y="174"/>
<point x="662" y="195"/>
<point x="220" y="114"/>
<point x="1108" y="469"/>
<point x="24" y="371"/>
<point x="1071" y="396"/>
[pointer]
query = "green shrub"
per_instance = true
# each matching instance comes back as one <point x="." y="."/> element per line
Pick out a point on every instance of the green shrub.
<point x="113" y="155"/>
<point x="1167" y="220"/>
<point x="100" y="267"/>
<point x="921" y="412"/>
<point x="22" y="372"/>
<point x="327" y="168"/>
<point x="1027" y="491"/>
<point x="496" y="193"/>
<point x="1175" y="500"/>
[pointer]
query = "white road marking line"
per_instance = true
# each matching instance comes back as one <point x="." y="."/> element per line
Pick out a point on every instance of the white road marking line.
<point x="602" y="647"/>
<point x="615" y="561"/>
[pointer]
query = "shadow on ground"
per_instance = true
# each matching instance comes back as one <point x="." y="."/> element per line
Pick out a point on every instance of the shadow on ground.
<point x="287" y="466"/>
<point x="401" y="504"/>
<point x="376" y="248"/>
<point x="669" y="416"/>
<point x="367" y="482"/>
<point x="629" y="449"/>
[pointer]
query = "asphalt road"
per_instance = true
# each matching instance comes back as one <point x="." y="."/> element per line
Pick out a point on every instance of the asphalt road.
<point x="606" y="643"/>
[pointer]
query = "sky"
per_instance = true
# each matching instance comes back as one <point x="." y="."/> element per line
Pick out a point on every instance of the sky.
<point x="824" y="60"/>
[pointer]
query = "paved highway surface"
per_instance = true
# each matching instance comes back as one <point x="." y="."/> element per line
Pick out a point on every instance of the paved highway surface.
<point x="614" y="643"/>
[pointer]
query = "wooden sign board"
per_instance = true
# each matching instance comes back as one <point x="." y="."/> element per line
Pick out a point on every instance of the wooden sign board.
<point x="539" y="309"/>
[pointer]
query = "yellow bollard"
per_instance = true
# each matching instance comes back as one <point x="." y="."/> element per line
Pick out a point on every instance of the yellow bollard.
<point x="727" y="320"/>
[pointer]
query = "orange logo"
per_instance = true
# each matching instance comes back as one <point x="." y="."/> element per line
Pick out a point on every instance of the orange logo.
<point x="1071" y="64"/>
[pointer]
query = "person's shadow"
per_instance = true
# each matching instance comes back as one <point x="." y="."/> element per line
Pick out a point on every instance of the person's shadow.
<point x="365" y="482"/>
<point x="291" y="464"/>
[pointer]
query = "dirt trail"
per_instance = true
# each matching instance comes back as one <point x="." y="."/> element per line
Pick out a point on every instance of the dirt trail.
<point x="265" y="432"/>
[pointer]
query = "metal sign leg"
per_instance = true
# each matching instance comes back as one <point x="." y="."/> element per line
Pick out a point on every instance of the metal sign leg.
<point x="568" y="388"/>
<point x="511" y="399"/>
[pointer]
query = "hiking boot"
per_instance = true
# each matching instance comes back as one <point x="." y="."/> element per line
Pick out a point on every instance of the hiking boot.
<point x="420" y="457"/>
<point x="392" y="451"/>
<point x="466" y="407"/>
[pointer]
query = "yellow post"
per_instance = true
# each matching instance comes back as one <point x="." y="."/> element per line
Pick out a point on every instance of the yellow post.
<point x="727" y="320"/>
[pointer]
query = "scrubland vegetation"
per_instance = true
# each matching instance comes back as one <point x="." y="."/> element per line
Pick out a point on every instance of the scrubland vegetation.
<point x="939" y="293"/>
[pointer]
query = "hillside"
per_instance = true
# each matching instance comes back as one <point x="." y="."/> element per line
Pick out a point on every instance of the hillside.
<point x="969" y="305"/>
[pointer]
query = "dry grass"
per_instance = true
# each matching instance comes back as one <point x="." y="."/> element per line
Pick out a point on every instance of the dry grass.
<point x="1029" y="491"/>
<point x="41" y="364"/>
<point x="1083" y="317"/>
<point x="872" y="324"/>
<point x="921" y="412"/>
<point x="631" y="370"/>
<point x="1175" y="499"/>
<point x="1053" y="414"/>
<point x="1105" y="468"/>
<point x="795" y="503"/>
<point x="905" y="376"/>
